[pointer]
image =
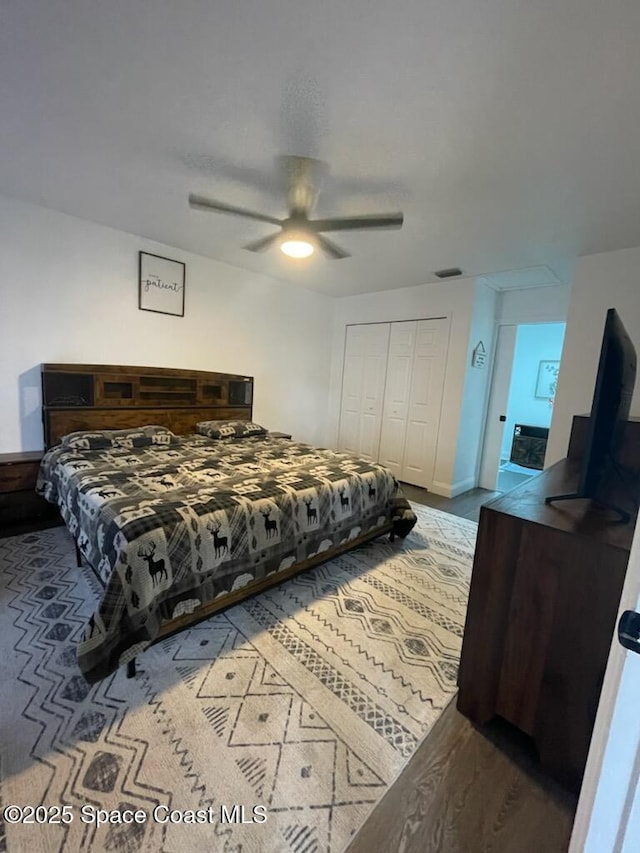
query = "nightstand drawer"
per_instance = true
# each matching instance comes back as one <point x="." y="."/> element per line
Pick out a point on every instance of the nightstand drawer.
<point x="18" y="476"/>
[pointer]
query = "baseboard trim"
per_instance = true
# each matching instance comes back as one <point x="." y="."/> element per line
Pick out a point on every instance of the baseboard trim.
<point x="452" y="490"/>
<point x="443" y="489"/>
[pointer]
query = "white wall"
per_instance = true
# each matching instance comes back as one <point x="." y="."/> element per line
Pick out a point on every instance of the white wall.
<point x="476" y="391"/>
<point x="69" y="293"/>
<point x="606" y="280"/>
<point x="454" y="300"/>
<point x="534" y="343"/>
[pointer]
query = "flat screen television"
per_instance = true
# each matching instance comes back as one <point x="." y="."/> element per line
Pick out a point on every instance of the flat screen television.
<point x="615" y="381"/>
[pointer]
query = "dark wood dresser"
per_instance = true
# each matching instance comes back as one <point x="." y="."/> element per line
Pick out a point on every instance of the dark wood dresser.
<point x="543" y="603"/>
<point x="21" y="509"/>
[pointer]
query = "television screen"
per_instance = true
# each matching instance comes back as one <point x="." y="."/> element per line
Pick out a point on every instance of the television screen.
<point x="615" y="381"/>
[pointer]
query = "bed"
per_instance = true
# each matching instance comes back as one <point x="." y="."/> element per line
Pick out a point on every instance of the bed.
<point x="177" y="527"/>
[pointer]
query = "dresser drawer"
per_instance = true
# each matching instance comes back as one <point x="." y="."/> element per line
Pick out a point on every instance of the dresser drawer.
<point x="19" y="476"/>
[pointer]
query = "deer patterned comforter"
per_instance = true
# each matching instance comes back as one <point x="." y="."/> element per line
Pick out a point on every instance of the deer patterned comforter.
<point x="170" y="528"/>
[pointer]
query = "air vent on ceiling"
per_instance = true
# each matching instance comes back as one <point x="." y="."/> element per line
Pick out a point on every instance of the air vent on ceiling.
<point x="450" y="273"/>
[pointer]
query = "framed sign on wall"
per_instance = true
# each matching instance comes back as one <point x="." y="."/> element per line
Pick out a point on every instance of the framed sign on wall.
<point x="547" y="381"/>
<point x="161" y="285"/>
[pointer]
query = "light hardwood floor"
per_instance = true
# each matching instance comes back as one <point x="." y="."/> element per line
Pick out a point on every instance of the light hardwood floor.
<point x="469" y="789"/>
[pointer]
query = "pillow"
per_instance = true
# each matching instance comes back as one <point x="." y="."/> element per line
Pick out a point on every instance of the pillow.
<point x="230" y="429"/>
<point x="81" y="440"/>
<point x="102" y="439"/>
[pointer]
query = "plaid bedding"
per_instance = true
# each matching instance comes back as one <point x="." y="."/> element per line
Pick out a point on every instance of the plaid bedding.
<point x="170" y="528"/>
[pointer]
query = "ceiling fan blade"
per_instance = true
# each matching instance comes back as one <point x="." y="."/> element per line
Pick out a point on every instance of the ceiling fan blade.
<point x="200" y="203"/>
<point x="263" y="243"/>
<point x="331" y="249"/>
<point x="358" y="223"/>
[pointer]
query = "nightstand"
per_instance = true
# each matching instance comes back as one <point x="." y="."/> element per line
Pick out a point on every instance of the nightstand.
<point x="280" y="435"/>
<point x="21" y="509"/>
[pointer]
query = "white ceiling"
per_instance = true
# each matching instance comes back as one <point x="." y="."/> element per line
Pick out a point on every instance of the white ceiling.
<point x="508" y="131"/>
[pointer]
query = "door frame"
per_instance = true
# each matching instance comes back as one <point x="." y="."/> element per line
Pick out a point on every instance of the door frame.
<point x="499" y="384"/>
<point x="607" y="817"/>
<point x="498" y="327"/>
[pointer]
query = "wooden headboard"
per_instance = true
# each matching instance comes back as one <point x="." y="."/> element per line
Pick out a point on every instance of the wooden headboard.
<point x="99" y="396"/>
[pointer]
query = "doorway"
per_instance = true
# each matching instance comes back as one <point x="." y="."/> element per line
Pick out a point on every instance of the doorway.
<point x="525" y="374"/>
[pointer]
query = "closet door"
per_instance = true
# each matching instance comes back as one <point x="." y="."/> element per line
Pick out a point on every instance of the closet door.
<point x="425" y="400"/>
<point x="363" y="389"/>
<point x="397" y="395"/>
<point x="412" y="400"/>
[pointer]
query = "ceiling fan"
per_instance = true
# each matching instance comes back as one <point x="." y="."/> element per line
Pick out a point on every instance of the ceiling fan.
<point x="299" y="235"/>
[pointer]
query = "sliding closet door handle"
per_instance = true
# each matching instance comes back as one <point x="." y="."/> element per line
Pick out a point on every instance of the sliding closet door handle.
<point x="629" y="631"/>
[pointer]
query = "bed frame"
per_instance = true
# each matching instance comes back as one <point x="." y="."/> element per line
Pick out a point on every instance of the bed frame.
<point x="95" y="396"/>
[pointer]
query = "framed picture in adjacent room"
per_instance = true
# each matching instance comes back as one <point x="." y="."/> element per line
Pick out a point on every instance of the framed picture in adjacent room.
<point x="161" y="285"/>
<point x="547" y="379"/>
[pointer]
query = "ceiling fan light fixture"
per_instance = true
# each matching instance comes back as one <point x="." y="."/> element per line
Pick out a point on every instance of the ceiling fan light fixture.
<point x="297" y="245"/>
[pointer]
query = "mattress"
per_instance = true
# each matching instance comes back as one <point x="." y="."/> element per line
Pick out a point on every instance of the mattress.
<point x="170" y="528"/>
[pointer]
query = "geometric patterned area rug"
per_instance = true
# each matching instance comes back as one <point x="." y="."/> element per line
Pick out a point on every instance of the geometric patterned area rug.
<point x="274" y="726"/>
